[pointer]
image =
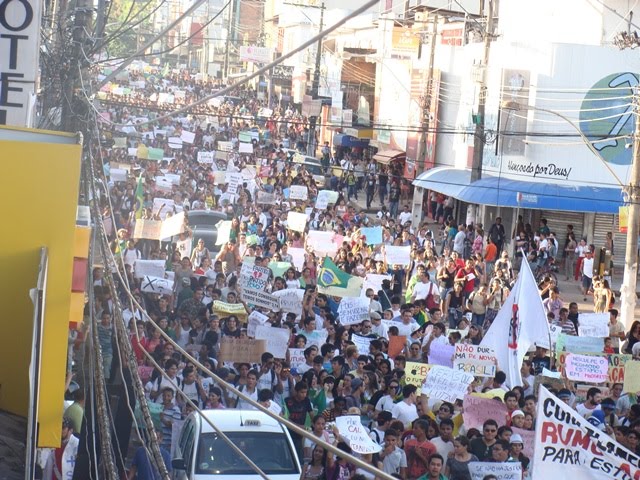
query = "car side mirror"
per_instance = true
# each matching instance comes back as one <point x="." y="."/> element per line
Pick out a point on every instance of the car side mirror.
<point x="178" y="464"/>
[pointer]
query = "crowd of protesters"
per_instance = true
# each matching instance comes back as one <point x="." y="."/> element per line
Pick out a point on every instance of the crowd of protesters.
<point x="458" y="278"/>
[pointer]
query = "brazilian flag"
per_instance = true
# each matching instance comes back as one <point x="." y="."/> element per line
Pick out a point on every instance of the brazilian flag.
<point x="336" y="283"/>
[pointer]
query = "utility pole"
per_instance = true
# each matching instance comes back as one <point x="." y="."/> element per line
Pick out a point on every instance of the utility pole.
<point x="426" y="104"/>
<point x="228" y="42"/>
<point x="479" y="134"/>
<point x="315" y="86"/>
<point x="629" y="282"/>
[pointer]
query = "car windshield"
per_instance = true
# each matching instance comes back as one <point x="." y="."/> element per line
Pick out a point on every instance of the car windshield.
<point x="204" y="219"/>
<point x="269" y="451"/>
<point x="313" y="168"/>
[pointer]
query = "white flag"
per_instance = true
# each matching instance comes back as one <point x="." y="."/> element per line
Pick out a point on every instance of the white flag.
<point x="520" y="323"/>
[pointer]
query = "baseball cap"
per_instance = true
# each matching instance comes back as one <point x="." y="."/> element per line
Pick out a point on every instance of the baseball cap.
<point x="608" y="403"/>
<point x="517" y="413"/>
<point x="516" y="438"/>
<point x="564" y="393"/>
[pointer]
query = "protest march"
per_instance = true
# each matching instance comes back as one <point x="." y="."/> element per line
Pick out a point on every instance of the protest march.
<point x="413" y="344"/>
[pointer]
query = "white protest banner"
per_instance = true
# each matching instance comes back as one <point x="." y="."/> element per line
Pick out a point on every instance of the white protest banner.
<point x="245" y="147"/>
<point x="296" y="221"/>
<point x="477" y="410"/>
<point x="175" y="143"/>
<point x="297" y="257"/>
<point x="474" y="359"/>
<point x="353" y="310"/>
<point x="567" y="443"/>
<point x="118" y="175"/>
<point x="174" y="178"/>
<point x="352" y="430"/>
<point x="161" y="206"/>
<point x="298" y="192"/>
<point x="149" y="268"/>
<point x="594" y="325"/>
<point x="501" y="470"/>
<point x="173" y="225"/>
<point x="158" y="285"/>
<point x="296" y="357"/>
<point x="255" y="319"/>
<point x="374" y="281"/>
<point x="587" y="368"/>
<point x="149" y="229"/>
<point x="362" y="343"/>
<point x="225" y="146"/>
<point x="397" y="255"/>
<point x="234" y="180"/>
<point x="163" y="184"/>
<point x="322" y="200"/>
<point x="277" y="339"/>
<point x="265" y="198"/>
<point x="441" y="354"/>
<point x="187" y="137"/>
<point x="322" y="243"/>
<point x="261" y="299"/>
<point x="290" y="299"/>
<point x="446" y="383"/>
<point x="206" y="157"/>
<point x="132" y="152"/>
<point x="254" y="277"/>
<point x="224" y="232"/>
<point x="573" y="344"/>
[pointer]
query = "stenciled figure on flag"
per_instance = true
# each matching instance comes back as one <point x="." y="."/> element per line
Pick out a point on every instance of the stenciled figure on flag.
<point x="514" y="327"/>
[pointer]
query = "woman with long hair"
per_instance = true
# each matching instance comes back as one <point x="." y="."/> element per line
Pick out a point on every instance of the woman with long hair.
<point x="458" y="464"/>
<point x="314" y="469"/>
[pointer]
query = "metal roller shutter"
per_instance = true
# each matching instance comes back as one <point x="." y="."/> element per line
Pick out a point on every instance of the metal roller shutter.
<point x="604" y="223"/>
<point x="558" y="221"/>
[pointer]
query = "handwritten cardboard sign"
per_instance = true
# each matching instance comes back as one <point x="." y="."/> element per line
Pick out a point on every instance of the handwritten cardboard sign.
<point x="474" y="359"/>
<point x="149" y="268"/>
<point x="158" y="285"/>
<point x="352" y="310"/>
<point x="358" y="437"/>
<point x="441" y="354"/>
<point x="594" y="325"/>
<point x="247" y="350"/>
<point x="290" y="299"/>
<point x="277" y="339"/>
<point x="261" y="299"/>
<point x="298" y="192"/>
<point x="415" y="373"/>
<point x="446" y="383"/>
<point x="501" y="470"/>
<point x="587" y="368"/>
<point x="254" y="277"/>
<point x="224" y="309"/>
<point x="362" y="343"/>
<point x="477" y="410"/>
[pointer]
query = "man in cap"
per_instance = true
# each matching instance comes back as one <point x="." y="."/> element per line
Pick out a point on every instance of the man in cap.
<point x="60" y="462"/>
<point x="517" y="446"/>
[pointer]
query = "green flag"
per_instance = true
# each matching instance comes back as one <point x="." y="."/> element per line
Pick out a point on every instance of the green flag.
<point x="333" y="281"/>
<point x="139" y="198"/>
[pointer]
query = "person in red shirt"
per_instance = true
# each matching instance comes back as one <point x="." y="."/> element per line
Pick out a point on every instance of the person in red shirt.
<point x="467" y="276"/>
<point x="418" y="450"/>
<point x="490" y="255"/>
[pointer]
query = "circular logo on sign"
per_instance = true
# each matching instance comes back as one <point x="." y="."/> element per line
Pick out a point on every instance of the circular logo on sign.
<point x="610" y="97"/>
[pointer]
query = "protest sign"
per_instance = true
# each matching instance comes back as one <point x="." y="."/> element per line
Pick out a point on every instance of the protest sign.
<point x="245" y="147"/>
<point x="234" y="180"/>
<point x="118" y="175"/>
<point x="396" y="345"/>
<point x="296" y="221"/>
<point x="290" y="299"/>
<point x="617" y="363"/>
<point x="163" y="184"/>
<point x="246" y="350"/>
<point x="187" y="137"/>
<point x="159" y="285"/>
<point x="173" y="225"/>
<point x="277" y="339"/>
<point x="298" y="192"/>
<point x="528" y="440"/>
<point x="175" y="143"/>
<point x="225" y="146"/>
<point x="224" y="232"/>
<point x="567" y="443"/>
<point x="353" y="310"/>
<point x="296" y="357"/>
<point x="255" y="318"/>
<point x="322" y="243"/>
<point x="253" y="277"/>
<point x="261" y="299"/>
<point x="441" y="354"/>
<point x="351" y="429"/>
<point x="206" y="157"/>
<point x="372" y="234"/>
<point x="573" y="344"/>
<point x="501" y="470"/>
<point x="148" y="229"/>
<point x="397" y="255"/>
<point x="374" y="281"/>
<point x="174" y="178"/>
<point x="446" y="383"/>
<point x="415" y="373"/>
<point x="594" y="325"/>
<point x="362" y="343"/>
<point x="224" y="309"/>
<point x="162" y="206"/>
<point x="297" y="257"/>
<point x="149" y="268"/>
<point x="587" y="368"/>
<point x="632" y="377"/>
<point x="278" y="268"/>
<point x="474" y="359"/>
<point x="477" y="410"/>
<point x="322" y="200"/>
<point x="265" y="198"/>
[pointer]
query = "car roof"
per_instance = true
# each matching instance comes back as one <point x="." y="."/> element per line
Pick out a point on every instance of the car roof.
<point x="237" y="421"/>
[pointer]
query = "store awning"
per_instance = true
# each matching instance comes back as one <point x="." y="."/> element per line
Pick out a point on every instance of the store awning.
<point x="498" y="191"/>
<point x="342" y="140"/>
<point x="358" y="132"/>
<point x="386" y="156"/>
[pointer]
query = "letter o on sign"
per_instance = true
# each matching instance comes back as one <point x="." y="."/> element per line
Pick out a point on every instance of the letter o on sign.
<point x="28" y="15"/>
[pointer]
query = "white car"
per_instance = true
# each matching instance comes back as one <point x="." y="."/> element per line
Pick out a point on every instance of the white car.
<point x="201" y="454"/>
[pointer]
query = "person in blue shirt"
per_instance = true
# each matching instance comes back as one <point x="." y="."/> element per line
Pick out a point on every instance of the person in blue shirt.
<point x="142" y="468"/>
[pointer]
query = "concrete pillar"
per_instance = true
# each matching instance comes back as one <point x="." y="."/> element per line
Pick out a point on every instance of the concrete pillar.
<point x="589" y="227"/>
<point x="416" y="208"/>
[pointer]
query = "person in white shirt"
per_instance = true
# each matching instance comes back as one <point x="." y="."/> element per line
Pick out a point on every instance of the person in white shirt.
<point x="424" y="288"/>
<point x="592" y="403"/>
<point x="408" y="324"/>
<point x="444" y="443"/>
<point x="405" y="215"/>
<point x="587" y="272"/>
<point x="405" y="411"/>
<point x="394" y="459"/>
<point x="458" y="240"/>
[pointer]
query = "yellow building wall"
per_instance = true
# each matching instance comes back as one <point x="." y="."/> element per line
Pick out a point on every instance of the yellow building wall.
<point x="39" y="192"/>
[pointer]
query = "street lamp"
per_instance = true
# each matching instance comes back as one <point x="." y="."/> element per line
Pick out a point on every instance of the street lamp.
<point x="631" y="191"/>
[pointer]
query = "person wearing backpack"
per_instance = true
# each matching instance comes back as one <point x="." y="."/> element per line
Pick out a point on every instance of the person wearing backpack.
<point x="267" y="378"/>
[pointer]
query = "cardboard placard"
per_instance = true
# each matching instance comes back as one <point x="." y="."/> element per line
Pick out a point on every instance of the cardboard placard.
<point x="477" y="410"/>
<point x="246" y="350"/>
<point x="277" y="339"/>
<point x="353" y="310"/>
<point x="158" y="285"/>
<point x="474" y="359"/>
<point x="446" y="383"/>
<point x="261" y="299"/>
<point x="290" y="299"/>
